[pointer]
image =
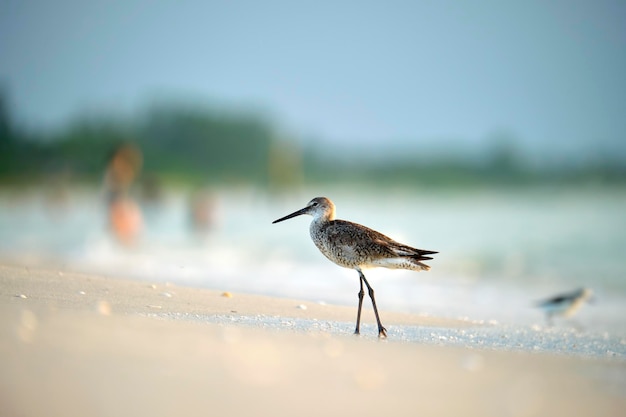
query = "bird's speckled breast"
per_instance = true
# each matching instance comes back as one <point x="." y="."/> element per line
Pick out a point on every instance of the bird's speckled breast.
<point x="336" y="242"/>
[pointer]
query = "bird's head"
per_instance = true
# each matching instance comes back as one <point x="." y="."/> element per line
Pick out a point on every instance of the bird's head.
<point x="319" y="208"/>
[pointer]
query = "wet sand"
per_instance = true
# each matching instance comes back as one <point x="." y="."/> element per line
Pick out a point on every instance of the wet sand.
<point x="77" y="345"/>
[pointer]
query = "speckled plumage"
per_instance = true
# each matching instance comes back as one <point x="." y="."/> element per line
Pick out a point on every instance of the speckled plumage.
<point x="355" y="246"/>
<point x="352" y="245"/>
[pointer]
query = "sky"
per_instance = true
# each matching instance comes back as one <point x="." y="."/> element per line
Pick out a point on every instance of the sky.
<point x="352" y="72"/>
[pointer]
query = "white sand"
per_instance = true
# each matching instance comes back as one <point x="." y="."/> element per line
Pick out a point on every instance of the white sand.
<point x="79" y="345"/>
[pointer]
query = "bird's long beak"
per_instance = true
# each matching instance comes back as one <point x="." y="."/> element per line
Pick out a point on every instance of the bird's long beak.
<point x="294" y="214"/>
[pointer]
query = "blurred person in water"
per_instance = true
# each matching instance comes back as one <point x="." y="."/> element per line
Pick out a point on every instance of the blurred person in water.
<point x="202" y="207"/>
<point x="124" y="214"/>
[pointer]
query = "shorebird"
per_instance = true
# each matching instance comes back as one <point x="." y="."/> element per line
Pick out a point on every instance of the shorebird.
<point x="357" y="247"/>
<point x="565" y="305"/>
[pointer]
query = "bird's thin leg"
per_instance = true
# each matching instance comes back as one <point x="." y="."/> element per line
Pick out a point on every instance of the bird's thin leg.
<point x="382" y="332"/>
<point x="358" y="314"/>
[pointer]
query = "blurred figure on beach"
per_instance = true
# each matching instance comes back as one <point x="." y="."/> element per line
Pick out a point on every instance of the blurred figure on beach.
<point x="565" y="305"/>
<point x="124" y="214"/>
<point x="202" y="212"/>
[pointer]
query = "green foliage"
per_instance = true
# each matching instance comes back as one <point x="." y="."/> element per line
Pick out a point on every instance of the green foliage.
<point x="182" y="143"/>
<point x="197" y="146"/>
<point x="178" y="140"/>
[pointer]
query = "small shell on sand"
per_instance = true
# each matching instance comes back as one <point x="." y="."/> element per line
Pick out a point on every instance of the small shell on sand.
<point x="227" y="294"/>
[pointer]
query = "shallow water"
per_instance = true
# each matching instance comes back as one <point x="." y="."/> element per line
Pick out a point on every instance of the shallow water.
<point x="478" y="335"/>
<point x="500" y="251"/>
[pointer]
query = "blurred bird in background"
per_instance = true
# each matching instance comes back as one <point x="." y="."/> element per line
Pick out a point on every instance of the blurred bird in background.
<point x="566" y="304"/>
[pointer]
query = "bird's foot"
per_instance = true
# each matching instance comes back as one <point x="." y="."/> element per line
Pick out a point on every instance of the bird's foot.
<point x="382" y="333"/>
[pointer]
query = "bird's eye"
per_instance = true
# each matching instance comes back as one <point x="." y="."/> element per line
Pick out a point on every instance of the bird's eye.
<point x="314" y="203"/>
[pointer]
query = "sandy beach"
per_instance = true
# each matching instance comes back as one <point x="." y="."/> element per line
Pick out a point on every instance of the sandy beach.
<point x="75" y="345"/>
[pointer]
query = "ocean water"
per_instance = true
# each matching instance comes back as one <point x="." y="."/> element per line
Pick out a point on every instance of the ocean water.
<point x="500" y="252"/>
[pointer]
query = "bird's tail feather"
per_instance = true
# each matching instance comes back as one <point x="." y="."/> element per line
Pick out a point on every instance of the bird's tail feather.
<point x="415" y="261"/>
<point x="410" y="258"/>
<point x="403" y="250"/>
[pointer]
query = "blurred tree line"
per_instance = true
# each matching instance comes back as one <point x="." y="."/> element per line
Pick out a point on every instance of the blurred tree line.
<point x="188" y="144"/>
<point x="179" y="144"/>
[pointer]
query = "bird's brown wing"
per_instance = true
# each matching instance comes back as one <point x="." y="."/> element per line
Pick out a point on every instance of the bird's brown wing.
<point x="354" y="235"/>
